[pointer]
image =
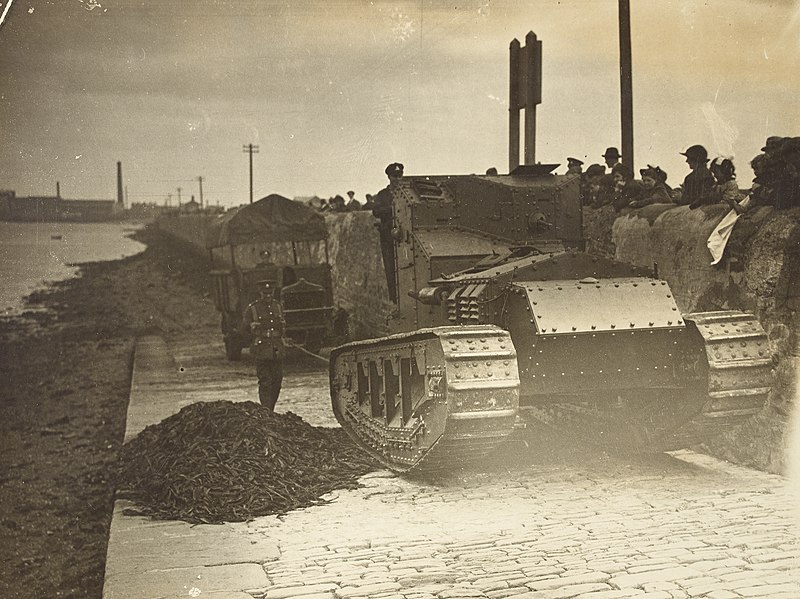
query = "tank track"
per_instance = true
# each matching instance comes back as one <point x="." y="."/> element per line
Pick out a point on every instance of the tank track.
<point x="432" y="400"/>
<point x="739" y="373"/>
<point x="728" y="375"/>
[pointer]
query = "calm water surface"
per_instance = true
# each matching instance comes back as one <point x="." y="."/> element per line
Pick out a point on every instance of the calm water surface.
<point x="35" y="254"/>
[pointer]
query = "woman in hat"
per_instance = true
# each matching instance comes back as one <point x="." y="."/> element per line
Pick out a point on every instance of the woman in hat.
<point x="726" y="190"/>
<point x="626" y="189"/>
<point x="698" y="184"/>
<point x="654" y="188"/>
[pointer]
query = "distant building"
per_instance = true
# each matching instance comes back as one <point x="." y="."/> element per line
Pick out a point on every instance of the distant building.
<point x="55" y="209"/>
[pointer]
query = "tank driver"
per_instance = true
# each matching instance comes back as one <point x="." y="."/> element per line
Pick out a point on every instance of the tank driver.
<point x="263" y="321"/>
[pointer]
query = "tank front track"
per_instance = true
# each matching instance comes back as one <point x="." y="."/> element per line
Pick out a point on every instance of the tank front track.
<point x="434" y="399"/>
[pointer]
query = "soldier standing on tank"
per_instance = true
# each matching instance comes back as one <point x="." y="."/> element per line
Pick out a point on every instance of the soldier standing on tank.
<point x="574" y="166"/>
<point x="263" y="320"/>
<point x="382" y="210"/>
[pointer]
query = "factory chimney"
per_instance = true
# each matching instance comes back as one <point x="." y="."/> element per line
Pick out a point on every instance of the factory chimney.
<point x="120" y="199"/>
<point x="58" y="190"/>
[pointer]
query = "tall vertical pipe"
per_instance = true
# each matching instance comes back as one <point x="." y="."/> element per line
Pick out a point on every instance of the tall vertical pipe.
<point x="626" y="82"/>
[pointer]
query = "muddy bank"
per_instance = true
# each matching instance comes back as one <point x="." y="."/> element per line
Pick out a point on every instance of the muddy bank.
<point x="66" y="366"/>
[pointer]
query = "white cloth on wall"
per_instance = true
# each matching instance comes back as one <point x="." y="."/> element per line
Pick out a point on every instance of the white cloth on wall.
<point x="719" y="236"/>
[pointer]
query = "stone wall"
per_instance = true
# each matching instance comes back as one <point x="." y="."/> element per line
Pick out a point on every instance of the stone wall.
<point x="189" y="228"/>
<point x="359" y="280"/>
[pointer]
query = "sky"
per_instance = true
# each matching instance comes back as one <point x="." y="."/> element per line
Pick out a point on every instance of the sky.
<point x="332" y="91"/>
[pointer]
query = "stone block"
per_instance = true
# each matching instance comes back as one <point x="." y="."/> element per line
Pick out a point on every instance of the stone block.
<point x="179" y="582"/>
<point x="564" y="581"/>
<point x="367" y="590"/>
<point x="287" y="592"/>
<point x="668" y="574"/>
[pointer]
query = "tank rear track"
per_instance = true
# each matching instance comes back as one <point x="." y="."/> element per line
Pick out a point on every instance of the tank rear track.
<point x="423" y="401"/>
<point x="731" y="369"/>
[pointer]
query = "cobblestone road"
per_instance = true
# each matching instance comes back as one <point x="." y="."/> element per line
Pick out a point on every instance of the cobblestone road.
<point x="596" y="528"/>
<point x="551" y="520"/>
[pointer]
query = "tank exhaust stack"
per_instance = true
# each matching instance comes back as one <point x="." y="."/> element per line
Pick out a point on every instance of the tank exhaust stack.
<point x="525" y="91"/>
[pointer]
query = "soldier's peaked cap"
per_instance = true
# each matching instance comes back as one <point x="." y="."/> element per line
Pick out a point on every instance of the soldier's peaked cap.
<point x="265" y="283"/>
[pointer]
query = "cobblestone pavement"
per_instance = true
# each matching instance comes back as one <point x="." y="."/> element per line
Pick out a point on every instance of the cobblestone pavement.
<point x="553" y="519"/>
<point x="596" y="528"/>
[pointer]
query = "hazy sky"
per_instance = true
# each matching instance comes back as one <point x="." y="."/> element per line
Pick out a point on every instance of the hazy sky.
<point x="332" y="91"/>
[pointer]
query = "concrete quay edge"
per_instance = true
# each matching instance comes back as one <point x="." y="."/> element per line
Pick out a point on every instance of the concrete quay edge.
<point x="155" y="559"/>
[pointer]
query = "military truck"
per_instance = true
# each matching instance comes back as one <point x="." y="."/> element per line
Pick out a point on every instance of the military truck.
<point x="274" y="239"/>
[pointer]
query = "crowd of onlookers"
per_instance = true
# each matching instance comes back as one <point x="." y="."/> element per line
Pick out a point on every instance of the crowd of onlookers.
<point x="338" y="204"/>
<point x="776" y="181"/>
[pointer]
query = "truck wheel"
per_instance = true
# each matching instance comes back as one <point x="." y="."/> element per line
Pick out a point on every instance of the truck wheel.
<point x="233" y="350"/>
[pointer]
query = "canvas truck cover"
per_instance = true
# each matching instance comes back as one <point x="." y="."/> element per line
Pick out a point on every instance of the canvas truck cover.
<point x="273" y="218"/>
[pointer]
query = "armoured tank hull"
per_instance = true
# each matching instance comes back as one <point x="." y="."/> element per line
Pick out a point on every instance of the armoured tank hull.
<point x="505" y="317"/>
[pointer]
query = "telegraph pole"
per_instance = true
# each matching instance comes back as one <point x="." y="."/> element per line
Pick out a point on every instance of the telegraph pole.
<point x="200" y="180"/>
<point x="251" y="149"/>
<point x="626" y="82"/>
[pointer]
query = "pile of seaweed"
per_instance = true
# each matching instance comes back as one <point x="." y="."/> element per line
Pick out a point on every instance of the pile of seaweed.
<point x="227" y="462"/>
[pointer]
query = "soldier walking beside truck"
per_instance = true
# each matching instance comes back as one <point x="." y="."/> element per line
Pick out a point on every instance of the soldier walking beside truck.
<point x="263" y="320"/>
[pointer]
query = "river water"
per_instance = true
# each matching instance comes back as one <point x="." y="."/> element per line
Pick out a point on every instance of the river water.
<point x="35" y="254"/>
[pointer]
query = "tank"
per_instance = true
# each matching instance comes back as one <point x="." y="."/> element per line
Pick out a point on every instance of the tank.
<point x="273" y="239"/>
<point x="502" y="317"/>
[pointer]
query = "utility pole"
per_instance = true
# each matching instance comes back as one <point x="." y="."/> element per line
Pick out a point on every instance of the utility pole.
<point x="200" y="180"/>
<point x="251" y="149"/>
<point x="626" y="82"/>
<point x="179" y="197"/>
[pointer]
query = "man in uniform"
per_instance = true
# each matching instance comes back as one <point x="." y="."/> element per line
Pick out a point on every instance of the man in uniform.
<point x="263" y="320"/>
<point x="383" y="211"/>
<point x="574" y="166"/>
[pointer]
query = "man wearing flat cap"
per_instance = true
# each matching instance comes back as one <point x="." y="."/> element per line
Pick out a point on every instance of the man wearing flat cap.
<point x="383" y="211"/>
<point x="699" y="184"/>
<point x="263" y="321"/>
